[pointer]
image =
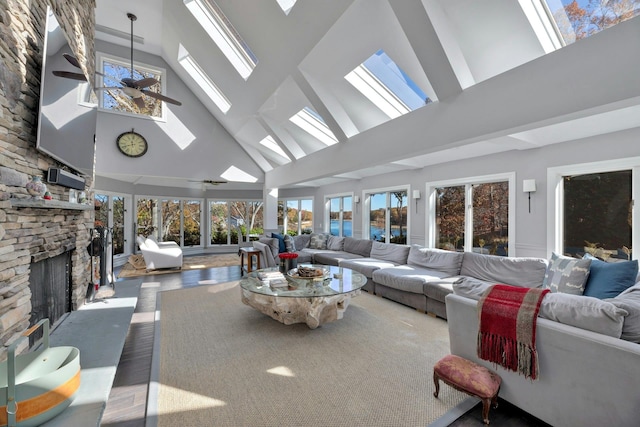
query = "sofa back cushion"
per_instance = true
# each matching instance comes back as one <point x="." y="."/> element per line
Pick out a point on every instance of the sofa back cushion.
<point x="517" y="271"/>
<point x="358" y="246"/>
<point x="390" y="252"/>
<point x="335" y="243"/>
<point x="150" y="244"/>
<point x="435" y="259"/>
<point x="301" y="241"/>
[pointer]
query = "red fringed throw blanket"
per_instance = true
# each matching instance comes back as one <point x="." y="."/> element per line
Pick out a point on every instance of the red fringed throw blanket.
<point x="507" y="335"/>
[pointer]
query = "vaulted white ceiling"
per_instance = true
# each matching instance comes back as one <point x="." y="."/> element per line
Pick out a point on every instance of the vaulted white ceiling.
<point x="494" y="87"/>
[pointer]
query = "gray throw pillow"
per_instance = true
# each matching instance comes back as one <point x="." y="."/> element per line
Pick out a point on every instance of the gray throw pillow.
<point x="289" y="243"/>
<point x="318" y="241"/>
<point x="588" y="313"/>
<point x="566" y="275"/>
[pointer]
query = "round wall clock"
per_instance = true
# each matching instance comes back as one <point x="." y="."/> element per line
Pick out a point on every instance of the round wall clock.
<point x="132" y="144"/>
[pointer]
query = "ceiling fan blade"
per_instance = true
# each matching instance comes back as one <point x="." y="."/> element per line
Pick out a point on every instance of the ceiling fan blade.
<point x="72" y="60"/>
<point x="160" y="97"/>
<point x="139" y="102"/>
<point x="143" y="83"/>
<point x="70" y="75"/>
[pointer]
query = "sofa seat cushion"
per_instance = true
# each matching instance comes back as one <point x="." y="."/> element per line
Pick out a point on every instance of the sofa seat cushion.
<point x="366" y="266"/>
<point x="304" y="257"/>
<point x="438" y="289"/>
<point x="516" y="271"/>
<point x="435" y="259"/>
<point x="332" y="257"/>
<point x="406" y="278"/>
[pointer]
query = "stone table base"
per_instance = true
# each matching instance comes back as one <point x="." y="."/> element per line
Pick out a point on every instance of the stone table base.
<point x="314" y="311"/>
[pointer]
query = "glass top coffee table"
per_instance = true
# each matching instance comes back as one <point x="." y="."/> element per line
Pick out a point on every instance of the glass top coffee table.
<point x="313" y="300"/>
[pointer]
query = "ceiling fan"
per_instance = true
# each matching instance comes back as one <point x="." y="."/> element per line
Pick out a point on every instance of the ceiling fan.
<point x="209" y="181"/>
<point x="133" y="88"/>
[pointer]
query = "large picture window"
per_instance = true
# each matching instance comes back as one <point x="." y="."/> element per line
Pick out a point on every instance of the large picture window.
<point x="591" y="209"/>
<point x="388" y="215"/>
<point x="340" y="215"/>
<point x="170" y="220"/>
<point x="295" y="216"/>
<point x="472" y="215"/>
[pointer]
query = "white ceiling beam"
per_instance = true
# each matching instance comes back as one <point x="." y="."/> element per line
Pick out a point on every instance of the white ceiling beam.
<point x="318" y="105"/>
<point x="424" y="40"/>
<point x="564" y="85"/>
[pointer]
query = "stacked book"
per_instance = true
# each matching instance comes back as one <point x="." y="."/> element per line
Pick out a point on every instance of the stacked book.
<point x="274" y="279"/>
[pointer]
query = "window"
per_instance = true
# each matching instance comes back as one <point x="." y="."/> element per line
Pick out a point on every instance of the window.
<point x="387" y="86"/>
<point x="575" y="20"/>
<point x="594" y="210"/>
<point x="219" y="28"/>
<point x="111" y="215"/>
<point x="295" y="216"/>
<point x="203" y="80"/>
<point x="230" y="218"/>
<point x="340" y="215"/>
<point x="273" y="146"/>
<point x="115" y="100"/>
<point x="170" y="220"/>
<point x="388" y="216"/>
<point x="474" y="214"/>
<point x="311" y="122"/>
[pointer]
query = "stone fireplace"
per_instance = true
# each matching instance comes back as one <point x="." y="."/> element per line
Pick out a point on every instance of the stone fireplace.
<point x="32" y="233"/>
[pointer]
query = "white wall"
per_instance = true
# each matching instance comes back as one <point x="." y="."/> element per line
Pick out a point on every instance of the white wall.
<point x="531" y="228"/>
<point x="190" y="144"/>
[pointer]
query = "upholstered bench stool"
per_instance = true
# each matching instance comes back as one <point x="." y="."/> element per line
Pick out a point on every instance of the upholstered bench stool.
<point x="470" y="378"/>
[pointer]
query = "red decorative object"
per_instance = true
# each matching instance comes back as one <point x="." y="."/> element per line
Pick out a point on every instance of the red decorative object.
<point x="288" y="255"/>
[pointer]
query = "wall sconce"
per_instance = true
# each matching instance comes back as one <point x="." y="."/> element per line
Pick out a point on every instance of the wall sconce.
<point x="529" y="186"/>
<point x="356" y="200"/>
<point x="416" y="197"/>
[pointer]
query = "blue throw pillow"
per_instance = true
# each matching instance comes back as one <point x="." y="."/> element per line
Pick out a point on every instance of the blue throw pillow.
<point x="280" y="237"/>
<point x="609" y="279"/>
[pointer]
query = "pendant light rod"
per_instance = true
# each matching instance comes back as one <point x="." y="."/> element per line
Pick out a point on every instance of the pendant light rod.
<point x="132" y="18"/>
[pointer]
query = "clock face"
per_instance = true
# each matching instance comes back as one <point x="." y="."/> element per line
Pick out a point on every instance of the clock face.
<point x="132" y="144"/>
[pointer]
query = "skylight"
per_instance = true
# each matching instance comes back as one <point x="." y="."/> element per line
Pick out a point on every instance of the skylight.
<point x="387" y="86"/>
<point x="216" y="24"/>
<point x="206" y="84"/>
<point x="312" y="123"/>
<point x="578" y="19"/>
<point x="286" y="5"/>
<point x="272" y="145"/>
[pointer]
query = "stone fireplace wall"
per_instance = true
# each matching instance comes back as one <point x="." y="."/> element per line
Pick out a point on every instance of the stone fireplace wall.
<point x="29" y="234"/>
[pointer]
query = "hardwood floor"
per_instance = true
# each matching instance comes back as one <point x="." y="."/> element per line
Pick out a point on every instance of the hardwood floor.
<point x="126" y="406"/>
<point x="127" y="402"/>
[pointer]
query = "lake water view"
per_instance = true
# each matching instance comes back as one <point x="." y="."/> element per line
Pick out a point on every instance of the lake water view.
<point x="348" y="229"/>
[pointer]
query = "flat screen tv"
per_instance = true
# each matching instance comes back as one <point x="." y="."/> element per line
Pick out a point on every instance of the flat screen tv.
<point x="66" y="120"/>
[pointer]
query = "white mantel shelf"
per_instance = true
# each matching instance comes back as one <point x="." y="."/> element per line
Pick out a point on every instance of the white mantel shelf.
<point x="49" y="204"/>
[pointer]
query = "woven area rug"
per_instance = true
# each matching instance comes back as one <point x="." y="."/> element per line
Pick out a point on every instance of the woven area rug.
<point x="223" y="363"/>
<point x="135" y="265"/>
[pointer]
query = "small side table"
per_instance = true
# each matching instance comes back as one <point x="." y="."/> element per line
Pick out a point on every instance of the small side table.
<point x="249" y="253"/>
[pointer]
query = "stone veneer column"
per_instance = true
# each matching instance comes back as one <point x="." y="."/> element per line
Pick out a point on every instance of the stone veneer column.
<point x="28" y="234"/>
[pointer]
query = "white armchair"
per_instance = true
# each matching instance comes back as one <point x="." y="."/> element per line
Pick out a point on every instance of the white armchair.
<point x="160" y="255"/>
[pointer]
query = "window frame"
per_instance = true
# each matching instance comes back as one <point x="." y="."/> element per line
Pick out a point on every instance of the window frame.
<point x="285" y="219"/>
<point x="366" y="211"/>
<point x="327" y="212"/>
<point x="555" y="197"/>
<point x="101" y="57"/>
<point x="468" y="182"/>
